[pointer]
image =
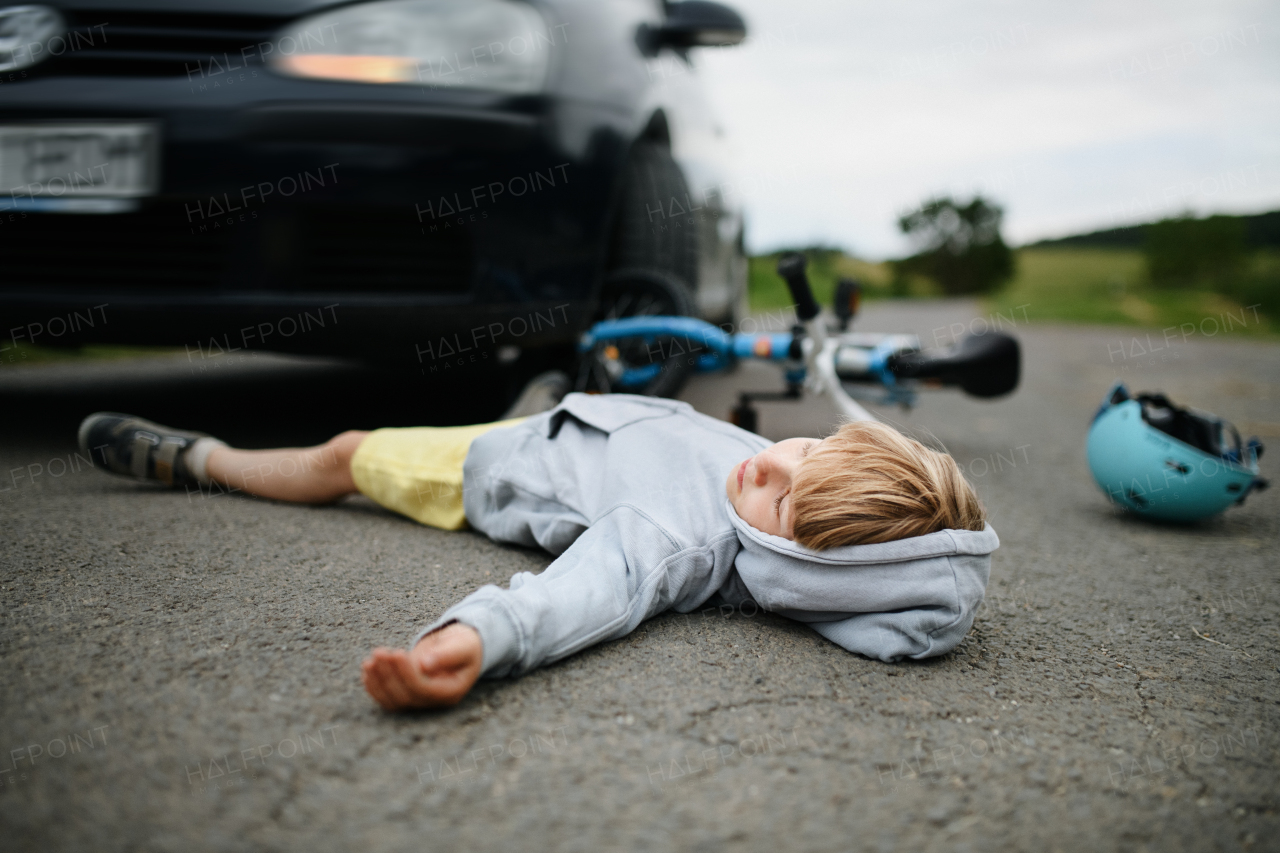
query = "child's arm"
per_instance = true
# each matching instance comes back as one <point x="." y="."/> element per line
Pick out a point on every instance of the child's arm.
<point x="622" y="570"/>
<point x="438" y="671"/>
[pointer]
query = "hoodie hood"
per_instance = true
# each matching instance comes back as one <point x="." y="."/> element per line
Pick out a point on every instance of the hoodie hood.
<point x="911" y="598"/>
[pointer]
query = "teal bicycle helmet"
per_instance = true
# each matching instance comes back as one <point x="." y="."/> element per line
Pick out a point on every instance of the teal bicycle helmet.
<point x="1167" y="462"/>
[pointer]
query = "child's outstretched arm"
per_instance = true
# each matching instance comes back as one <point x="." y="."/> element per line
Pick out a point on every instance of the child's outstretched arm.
<point x="437" y="672"/>
<point x="618" y="573"/>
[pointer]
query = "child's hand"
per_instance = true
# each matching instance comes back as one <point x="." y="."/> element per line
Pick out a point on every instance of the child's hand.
<point x="438" y="672"/>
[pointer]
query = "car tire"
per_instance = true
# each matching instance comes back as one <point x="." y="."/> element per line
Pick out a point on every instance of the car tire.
<point x="651" y="232"/>
<point x="653" y="259"/>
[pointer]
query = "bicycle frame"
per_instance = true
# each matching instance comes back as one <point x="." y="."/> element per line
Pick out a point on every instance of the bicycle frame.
<point x="811" y="358"/>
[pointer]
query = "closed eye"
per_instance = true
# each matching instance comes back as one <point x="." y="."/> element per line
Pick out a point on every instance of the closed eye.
<point x="777" y="502"/>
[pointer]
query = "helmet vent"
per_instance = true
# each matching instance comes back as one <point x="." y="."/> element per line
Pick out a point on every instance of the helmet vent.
<point x="1180" y="467"/>
<point x="1207" y="434"/>
<point x="1234" y="487"/>
<point x="1138" y="499"/>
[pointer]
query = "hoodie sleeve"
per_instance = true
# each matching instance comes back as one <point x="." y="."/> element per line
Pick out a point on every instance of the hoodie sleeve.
<point x="622" y="570"/>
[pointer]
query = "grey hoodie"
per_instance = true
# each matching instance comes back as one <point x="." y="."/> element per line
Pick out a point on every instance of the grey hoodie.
<point x="628" y="492"/>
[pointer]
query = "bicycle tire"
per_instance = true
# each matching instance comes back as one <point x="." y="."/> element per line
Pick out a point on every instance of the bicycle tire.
<point x="645" y="292"/>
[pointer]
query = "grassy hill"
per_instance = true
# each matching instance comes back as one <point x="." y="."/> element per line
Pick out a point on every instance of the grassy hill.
<point x="1262" y="231"/>
<point x="1059" y="282"/>
<point x="1095" y="285"/>
<point x="768" y="291"/>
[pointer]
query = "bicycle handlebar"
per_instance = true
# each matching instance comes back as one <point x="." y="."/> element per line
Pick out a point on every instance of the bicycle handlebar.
<point x="791" y="268"/>
<point x="986" y="365"/>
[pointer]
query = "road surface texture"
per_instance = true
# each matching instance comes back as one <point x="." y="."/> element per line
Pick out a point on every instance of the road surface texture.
<point x="181" y="671"/>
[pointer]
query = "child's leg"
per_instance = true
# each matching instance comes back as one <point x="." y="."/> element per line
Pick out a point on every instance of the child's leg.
<point x="313" y="475"/>
<point x="416" y="472"/>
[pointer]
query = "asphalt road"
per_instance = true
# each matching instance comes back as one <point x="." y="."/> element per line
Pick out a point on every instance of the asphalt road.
<point x="180" y="672"/>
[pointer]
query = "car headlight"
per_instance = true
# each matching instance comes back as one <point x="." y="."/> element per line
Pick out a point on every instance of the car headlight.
<point x="25" y="34"/>
<point x="499" y="45"/>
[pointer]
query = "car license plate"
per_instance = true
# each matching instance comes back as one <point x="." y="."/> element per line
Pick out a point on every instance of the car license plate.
<point x="103" y="160"/>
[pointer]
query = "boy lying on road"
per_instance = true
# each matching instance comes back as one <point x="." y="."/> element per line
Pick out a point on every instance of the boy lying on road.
<point x="875" y="541"/>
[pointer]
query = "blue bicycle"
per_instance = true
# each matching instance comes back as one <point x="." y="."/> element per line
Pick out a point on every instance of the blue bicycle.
<point x="652" y="354"/>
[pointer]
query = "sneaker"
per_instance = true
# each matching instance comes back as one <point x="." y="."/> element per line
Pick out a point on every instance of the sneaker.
<point x="124" y="444"/>
<point x="543" y="393"/>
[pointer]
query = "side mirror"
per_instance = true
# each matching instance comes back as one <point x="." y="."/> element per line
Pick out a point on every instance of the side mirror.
<point x="698" y="23"/>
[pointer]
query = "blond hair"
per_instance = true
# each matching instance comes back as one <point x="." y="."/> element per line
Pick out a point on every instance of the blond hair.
<point x="869" y="483"/>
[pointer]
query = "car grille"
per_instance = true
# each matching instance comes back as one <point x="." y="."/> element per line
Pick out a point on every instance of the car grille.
<point x="319" y="248"/>
<point x="160" y="44"/>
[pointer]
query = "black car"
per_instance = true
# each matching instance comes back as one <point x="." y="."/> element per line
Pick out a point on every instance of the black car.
<point x="418" y="181"/>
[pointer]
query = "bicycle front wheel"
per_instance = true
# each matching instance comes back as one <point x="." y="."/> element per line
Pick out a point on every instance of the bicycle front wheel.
<point x="653" y="368"/>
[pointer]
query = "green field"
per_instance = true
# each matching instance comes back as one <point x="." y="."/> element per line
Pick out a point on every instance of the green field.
<point x="768" y="291"/>
<point x="1110" y="286"/>
<point x="1073" y="285"/>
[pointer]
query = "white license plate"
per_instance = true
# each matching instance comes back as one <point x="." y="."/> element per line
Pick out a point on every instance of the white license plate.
<point x="103" y="160"/>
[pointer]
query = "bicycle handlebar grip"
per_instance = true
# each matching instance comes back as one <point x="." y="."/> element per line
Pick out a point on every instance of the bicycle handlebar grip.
<point x="791" y="268"/>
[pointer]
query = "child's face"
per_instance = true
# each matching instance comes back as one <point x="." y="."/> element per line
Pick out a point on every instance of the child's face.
<point x="760" y="487"/>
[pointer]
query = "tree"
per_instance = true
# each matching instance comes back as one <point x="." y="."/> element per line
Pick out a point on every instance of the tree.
<point x="960" y="246"/>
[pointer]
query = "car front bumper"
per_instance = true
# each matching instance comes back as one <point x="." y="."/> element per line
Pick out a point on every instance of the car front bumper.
<point x="408" y="214"/>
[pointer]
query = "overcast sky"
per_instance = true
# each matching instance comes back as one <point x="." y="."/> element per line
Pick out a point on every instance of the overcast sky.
<point x="1073" y="115"/>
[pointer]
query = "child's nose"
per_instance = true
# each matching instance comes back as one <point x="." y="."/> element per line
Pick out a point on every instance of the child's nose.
<point x="766" y="464"/>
